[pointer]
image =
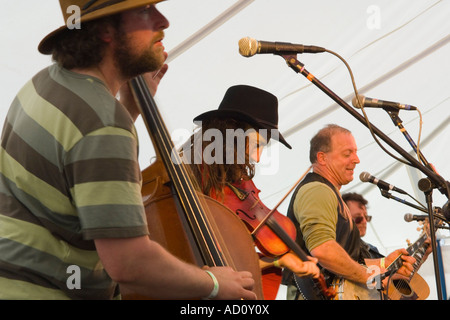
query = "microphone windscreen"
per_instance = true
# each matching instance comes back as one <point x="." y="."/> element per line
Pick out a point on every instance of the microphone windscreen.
<point x="355" y="101"/>
<point x="248" y="47"/>
<point x="364" y="176"/>
<point x="408" y="217"/>
<point x="446" y="210"/>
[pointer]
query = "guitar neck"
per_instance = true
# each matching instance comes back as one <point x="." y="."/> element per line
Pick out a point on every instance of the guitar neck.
<point x="419" y="255"/>
<point x="416" y="250"/>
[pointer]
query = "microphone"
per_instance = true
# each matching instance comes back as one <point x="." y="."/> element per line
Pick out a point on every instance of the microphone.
<point x="446" y="210"/>
<point x="367" y="177"/>
<point x="375" y="103"/>
<point x="249" y="47"/>
<point x="412" y="217"/>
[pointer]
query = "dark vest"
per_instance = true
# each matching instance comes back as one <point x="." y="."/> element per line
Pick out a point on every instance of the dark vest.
<point x="348" y="238"/>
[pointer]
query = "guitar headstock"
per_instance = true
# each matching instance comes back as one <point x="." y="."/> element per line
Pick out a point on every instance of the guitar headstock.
<point x="424" y="225"/>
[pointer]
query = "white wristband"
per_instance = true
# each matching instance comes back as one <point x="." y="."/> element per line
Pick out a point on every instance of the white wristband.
<point x="215" y="290"/>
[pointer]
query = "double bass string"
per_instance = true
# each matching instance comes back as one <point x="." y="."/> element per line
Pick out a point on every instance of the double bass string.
<point x="181" y="160"/>
<point x="187" y="194"/>
<point x="180" y="219"/>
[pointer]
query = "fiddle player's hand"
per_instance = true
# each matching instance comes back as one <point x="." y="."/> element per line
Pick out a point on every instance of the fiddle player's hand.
<point x="299" y="267"/>
<point x="233" y="285"/>
<point x="404" y="272"/>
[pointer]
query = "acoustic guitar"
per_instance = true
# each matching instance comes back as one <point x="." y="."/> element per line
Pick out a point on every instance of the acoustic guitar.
<point x="415" y="288"/>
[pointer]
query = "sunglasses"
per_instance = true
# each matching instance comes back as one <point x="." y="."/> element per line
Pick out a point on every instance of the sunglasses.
<point x="360" y="219"/>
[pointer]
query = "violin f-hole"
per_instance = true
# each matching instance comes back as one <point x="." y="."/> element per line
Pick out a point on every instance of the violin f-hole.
<point x="252" y="217"/>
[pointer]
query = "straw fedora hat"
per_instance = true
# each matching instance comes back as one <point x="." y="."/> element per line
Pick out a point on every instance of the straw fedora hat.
<point x="89" y="10"/>
<point x="252" y="105"/>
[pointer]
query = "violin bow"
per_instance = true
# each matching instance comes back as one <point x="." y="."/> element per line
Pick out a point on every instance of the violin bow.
<point x="263" y="221"/>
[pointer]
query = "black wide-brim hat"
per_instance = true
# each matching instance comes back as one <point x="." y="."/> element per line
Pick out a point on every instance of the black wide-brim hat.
<point x="252" y="105"/>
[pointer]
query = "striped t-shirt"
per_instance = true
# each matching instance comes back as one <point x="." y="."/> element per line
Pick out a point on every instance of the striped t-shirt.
<point x="69" y="174"/>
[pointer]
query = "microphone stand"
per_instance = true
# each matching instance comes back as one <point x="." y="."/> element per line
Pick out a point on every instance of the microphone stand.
<point x="398" y="123"/>
<point x="433" y="179"/>
<point x="431" y="216"/>
<point x="426" y="186"/>
<point x="298" y="67"/>
<point x="388" y="195"/>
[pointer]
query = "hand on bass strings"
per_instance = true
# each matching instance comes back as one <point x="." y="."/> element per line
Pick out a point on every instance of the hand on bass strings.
<point x="231" y="284"/>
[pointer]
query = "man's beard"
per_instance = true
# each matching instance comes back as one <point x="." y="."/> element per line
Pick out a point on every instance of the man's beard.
<point x="131" y="65"/>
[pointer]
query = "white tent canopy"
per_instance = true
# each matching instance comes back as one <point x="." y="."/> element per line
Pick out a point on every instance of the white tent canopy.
<point x="397" y="50"/>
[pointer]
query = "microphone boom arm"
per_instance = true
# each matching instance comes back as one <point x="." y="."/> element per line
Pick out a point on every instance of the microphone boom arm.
<point x="440" y="183"/>
<point x="299" y="67"/>
<point x="388" y="195"/>
<point x="398" y="123"/>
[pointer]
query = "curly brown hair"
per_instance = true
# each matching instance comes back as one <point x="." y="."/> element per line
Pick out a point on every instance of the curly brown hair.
<point x="83" y="48"/>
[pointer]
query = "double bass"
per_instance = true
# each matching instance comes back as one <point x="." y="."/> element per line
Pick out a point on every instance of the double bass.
<point x="190" y="225"/>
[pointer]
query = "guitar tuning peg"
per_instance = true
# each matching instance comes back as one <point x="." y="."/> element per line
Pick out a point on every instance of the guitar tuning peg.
<point x="408" y="242"/>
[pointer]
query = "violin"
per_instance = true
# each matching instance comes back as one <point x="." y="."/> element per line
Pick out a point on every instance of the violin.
<point x="277" y="236"/>
<point x="243" y="199"/>
<point x="190" y="225"/>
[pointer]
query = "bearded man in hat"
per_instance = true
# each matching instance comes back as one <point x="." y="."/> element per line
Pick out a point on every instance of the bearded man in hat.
<point x="224" y="166"/>
<point x="72" y="222"/>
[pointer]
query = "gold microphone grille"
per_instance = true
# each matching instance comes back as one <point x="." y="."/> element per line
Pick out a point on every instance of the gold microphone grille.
<point x="247" y="47"/>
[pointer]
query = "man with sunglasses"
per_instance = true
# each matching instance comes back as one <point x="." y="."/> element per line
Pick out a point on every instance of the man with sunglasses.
<point x="357" y="205"/>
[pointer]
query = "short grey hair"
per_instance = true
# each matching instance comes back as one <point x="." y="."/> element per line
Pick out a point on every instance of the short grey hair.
<point x="321" y="142"/>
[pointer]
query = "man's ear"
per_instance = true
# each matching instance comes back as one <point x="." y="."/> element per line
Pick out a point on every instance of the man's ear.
<point x="321" y="157"/>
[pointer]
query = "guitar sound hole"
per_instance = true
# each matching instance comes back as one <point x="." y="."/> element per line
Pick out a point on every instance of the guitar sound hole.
<point x="403" y="287"/>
